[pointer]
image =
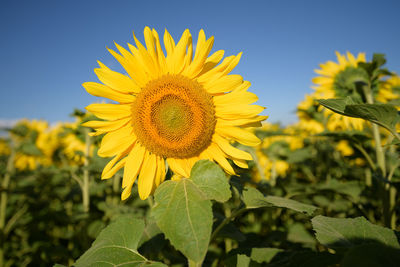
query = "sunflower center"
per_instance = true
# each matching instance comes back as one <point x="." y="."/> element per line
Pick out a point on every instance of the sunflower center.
<point x="173" y="116"/>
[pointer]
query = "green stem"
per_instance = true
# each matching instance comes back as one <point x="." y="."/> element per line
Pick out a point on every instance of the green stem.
<point x="85" y="188"/>
<point x="116" y="186"/>
<point x="226" y="221"/>
<point x="3" y="204"/>
<point x="365" y="154"/>
<point x="380" y="156"/>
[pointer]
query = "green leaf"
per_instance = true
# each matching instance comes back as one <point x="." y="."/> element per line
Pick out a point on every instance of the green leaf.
<point x="210" y="179"/>
<point x="337" y="105"/>
<point x="297" y="233"/>
<point x="58" y="265"/>
<point x="255" y="199"/>
<point x="261" y="255"/>
<point x="384" y="115"/>
<point x="117" y="245"/>
<point x="336" y="233"/>
<point x="183" y="213"/>
<point x="371" y="255"/>
<point x="242" y="260"/>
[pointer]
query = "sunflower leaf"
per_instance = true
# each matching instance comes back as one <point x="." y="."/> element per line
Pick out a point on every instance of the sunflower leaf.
<point x="117" y="245"/>
<point x="210" y="178"/>
<point x="255" y="199"/>
<point x="337" y="233"/>
<point x="183" y="213"/>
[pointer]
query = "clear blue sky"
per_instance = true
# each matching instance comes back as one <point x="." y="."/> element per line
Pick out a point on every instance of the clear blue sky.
<point x="49" y="48"/>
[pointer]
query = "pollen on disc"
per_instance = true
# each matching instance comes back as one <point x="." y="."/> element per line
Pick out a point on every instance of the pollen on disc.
<point x="174" y="117"/>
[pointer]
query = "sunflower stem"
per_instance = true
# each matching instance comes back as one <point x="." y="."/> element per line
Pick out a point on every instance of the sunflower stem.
<point x="85" y="188"/>
<point x="388" y="194"/>
<point x="3" y="204"/>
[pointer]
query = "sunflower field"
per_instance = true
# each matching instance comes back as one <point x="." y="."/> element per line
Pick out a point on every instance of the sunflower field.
<point x="179" y="167"/>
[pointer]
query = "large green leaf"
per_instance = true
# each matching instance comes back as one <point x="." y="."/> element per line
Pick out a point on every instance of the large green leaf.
<point x="210" y="179"/>
<point x="382" y="114"/>
<point x="336" y="233"/>
<point x="117" y="245"/>
<point x="385" y="115"/>
<point x="255" y="199"/>
<point x="337" y="105"/>
<point x="183" y="213"/>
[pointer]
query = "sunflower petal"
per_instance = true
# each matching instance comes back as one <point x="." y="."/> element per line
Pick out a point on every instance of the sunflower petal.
<point x="147" y="176"/>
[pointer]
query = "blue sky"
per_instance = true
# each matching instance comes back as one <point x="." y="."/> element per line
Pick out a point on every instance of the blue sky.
<point x="49" y="48"/>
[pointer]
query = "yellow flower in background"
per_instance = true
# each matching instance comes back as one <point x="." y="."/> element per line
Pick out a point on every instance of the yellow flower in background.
<point x="73" y="147"/>
<point x="336" y="81"/>
<point x="180" y="107"/>
<point x="389" y="89"/>
<point x="4" y="147"/>
<point x="268" y="169"/>
<point x="344" y="148"/>
<point x="307" y="123"/>
<point x="38" y="144"/>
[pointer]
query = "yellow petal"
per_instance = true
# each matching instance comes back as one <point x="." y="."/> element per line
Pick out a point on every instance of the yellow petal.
<point x="160" y="175"/>
<point x="106" y="126"/>
<point x="116" y="80"/>
<point x="219" y="157"/>
<point x="147" y="176"/>
<point x="212" y="61"/>
<point x="110" y="111"/>
<point x="234" y="97"/>
<point x="244" y="137"/>
<point x="234" y="111"/>
<point x="117" y="141"/>
<point x="241" y="163"/>
<point x="230" y="150"/>
<point x="160" y="54"/>
<point x="132" y="66"/>
<point x="175" y="62"/>
<point x="133" y="164"/>
<point x="101" y="90"/>
<point x="177" y="166"/>
<point x="224" y="84"/>
<point x="246" y="122"/>
<point x="143" y="55"/>
<point x="111" y="168"/>
<point x="169" y="43"/>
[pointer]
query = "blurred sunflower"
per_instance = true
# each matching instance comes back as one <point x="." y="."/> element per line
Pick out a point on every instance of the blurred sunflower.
<point x="389" y="89"/>
<point x="180" y="108"/>
<point x="36" y="143"/>
<point x="307" y="111"/>
<point x="73" y="146"/>
<point x="336" y="80"/>
<point x="4" y="147"/>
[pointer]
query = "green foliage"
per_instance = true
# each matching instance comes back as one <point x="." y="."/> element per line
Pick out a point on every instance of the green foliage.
<point x="211" y="180"/>
<point x="184" y="200"/>
<point x="337" y="233"/>
<point x="117" y="245"/>
<point x="255" y="199"/>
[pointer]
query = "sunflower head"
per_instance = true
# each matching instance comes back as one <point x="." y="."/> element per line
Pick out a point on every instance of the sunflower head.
<point x="177" y="106"/>
<point x="337" y="80"/>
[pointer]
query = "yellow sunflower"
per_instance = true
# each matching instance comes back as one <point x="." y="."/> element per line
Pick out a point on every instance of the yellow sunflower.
<point x="306" y="122"/>
<point x="336" y="80"/>
<point x="176" y="108"/>
<point x="389" y="89"/>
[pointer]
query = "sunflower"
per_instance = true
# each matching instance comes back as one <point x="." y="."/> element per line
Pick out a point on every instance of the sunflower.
<point x="37" y="143"/>
<point x="176" y="108"/>
<point x="389" y="89"/>
<point x="336" y="80"/>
